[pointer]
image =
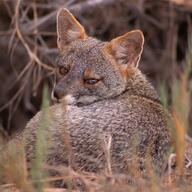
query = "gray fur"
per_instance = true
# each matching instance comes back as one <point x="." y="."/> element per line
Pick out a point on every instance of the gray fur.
<point x="125" y="110"/>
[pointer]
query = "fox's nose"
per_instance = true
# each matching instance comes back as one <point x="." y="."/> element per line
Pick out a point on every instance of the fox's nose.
<point x="58" y="93"/>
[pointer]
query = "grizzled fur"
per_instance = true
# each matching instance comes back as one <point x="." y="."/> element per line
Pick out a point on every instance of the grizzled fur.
<point x="107" y="107"/>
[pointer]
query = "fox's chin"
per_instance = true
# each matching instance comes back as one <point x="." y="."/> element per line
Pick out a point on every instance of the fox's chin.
<point x="79" y="102"/>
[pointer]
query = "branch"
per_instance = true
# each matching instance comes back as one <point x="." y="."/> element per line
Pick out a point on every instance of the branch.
<point x="32" y="56"/>
<point x="49" y="19"/>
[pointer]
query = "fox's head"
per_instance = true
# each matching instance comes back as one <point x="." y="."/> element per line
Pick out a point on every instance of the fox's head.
<point x="89" y="70"/>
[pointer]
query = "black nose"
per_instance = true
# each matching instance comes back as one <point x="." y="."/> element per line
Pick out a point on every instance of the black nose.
<point x="58" y="93"/>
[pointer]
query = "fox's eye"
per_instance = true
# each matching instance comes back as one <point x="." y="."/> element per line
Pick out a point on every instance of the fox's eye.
<point x="91" y="81"/>
<point x="63" y="70"/>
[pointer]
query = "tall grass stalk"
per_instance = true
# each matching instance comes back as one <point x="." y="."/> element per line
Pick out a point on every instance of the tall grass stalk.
<point x="37" y="171"/>
<point x="180" y="102"/>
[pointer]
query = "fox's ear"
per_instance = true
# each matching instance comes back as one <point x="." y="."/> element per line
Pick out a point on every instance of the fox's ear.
<point x="68" y="29"/>
<point x="127" y="48"/>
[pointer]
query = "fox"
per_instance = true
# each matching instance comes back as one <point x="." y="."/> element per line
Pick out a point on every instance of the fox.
<point x="107" y="115"/>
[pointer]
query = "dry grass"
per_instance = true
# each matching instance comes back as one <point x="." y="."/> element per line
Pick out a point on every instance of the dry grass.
<point x="14" y="175"/>
<point x="27" y="31"/>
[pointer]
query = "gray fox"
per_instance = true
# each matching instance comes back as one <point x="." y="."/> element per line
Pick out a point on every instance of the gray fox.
<point x="108" y="117"/>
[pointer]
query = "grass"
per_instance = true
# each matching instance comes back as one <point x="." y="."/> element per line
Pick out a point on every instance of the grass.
<point x="14" y="175"/>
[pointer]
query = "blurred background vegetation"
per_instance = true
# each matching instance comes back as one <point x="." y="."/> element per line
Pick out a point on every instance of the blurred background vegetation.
<point x="28" y="47"/>
<point x="28" y="52"/>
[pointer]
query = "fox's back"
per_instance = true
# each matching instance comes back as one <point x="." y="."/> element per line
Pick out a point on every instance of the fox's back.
<point x="115" y="122"/>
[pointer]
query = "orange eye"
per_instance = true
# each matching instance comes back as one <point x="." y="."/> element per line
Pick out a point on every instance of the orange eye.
<point x="91" y="81"/>
<point x="63" y="70"/>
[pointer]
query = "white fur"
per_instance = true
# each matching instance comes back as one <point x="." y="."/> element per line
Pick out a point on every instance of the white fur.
<point x="69" y="99"/>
